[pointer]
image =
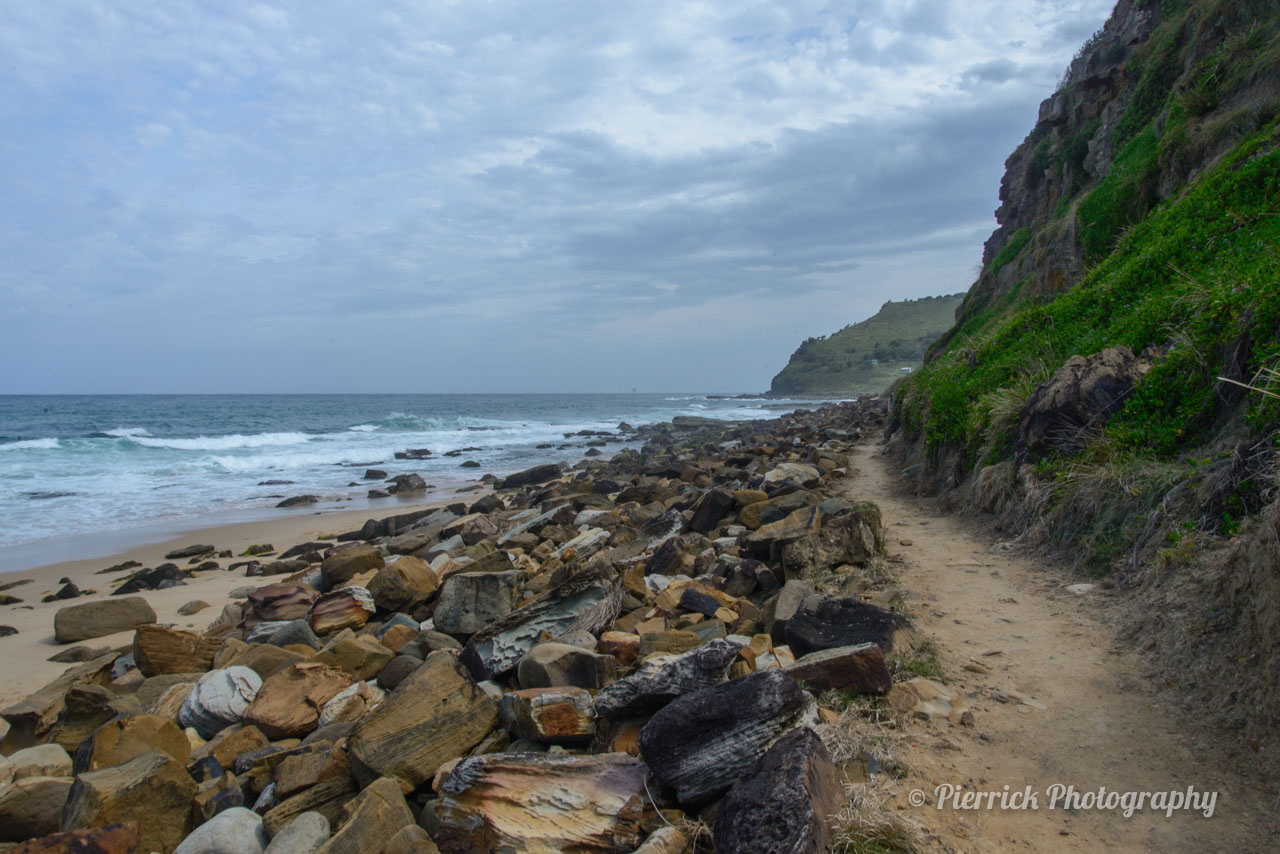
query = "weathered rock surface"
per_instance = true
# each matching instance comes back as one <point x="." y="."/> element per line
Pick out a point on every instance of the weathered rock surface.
<point x="272" y="602"/>
<point x="327" y="799"/>
<point x="582" y="602"/>
<point x="825" y="622"/>
<point x="304" y="835"/>
<point x="469" y="601"/>
<point x="340" y="567"/>
<point x="42" y="760"/>
<point x="289" y="702"/>
<point x="554" y="664"/>
<point x="373" y="817"/>
<point x="159" y="649"/>
<point x="151" y="789"/>
<point x="31" y="718"/>
<point x="661" y="679"/>
<point x="549" y="715"/>
<point x="348" y="608"/>
<point x="1076" y="401"/>
<point x="403" y="585"/>
<point x="233" y="831"/>
<point x="786" y="801"/>
<point x="436" y="714"/>
<point x="537" y="474"/>
<point x="700" y="744"/>
<point x="220" y="699"/>
<point x="100" y="618"/>
<point x="860" y="669"/>
<point x="133" y="735"/>
<point x="32" y="807"/>
<point x="361" y="656"/>
<point x="542" y="802"/>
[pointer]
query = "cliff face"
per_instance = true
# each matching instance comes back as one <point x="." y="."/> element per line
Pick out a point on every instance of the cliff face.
<point x="1198" y="76"/>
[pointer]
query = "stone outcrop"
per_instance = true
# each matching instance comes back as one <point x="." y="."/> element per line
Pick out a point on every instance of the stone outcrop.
<point x="100" y="618"/>
<point x="151" y="789"/>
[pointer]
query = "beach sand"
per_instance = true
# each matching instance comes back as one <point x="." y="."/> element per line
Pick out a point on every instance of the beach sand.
<point x="24" y="664"/>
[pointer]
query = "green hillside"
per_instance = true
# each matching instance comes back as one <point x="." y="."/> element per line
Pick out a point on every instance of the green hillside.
<point x="866" y="357"/>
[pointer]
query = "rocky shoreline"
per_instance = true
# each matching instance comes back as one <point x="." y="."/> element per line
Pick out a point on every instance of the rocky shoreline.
<point x="608" y="657"/>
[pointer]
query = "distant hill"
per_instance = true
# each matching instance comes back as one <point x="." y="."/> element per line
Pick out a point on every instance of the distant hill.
<point x="866" y="357"/>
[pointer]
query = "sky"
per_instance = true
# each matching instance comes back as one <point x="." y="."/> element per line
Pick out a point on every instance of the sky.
<point x="492" y="196"/>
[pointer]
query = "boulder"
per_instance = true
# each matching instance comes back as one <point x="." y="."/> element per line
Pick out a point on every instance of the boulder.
<point x="100" y="618"/>
<point x="361" y="656"/>
<point x="327" y="799"/>
<point x="284" y="566"/>
<point x="826" y="622"/>
<point x="549" y="715"/>
<point x="469" y="601"/>
<point x="32" y="807"/>
<point x="859" y="669"/>
<point x="298" y="501"/>
<point x="162" y="577"/>
<point x="159" y="649"/>
<point x="436" y="714"/>
<point x="289" y="702"/>
<point x="396" y="671"/>
<point x="272" y="602"/>
<point x="352" y="703"/>
<point x="151" y="789"/>
<point x="233" y="831"/>
<point x="558" y="664"/>
<point x="348" y="608"/>
<point x="1077" y="401"/>
<point x="663" y="678"/>
<point x="85" y="708"/>
<point x="542" y="802"/>
<point x="111" y="839"/>
<point x="411" y="840"/>
<point x="710" y="510"/>
<point x="472" y="528"/>
<point x="189" y="551"/>
<point x="195" y="606"/>
<point x="403" y="585"/>
<point x="219" y="699"/>
<point x="304" y="835"/>
<point x="537" y="474"/>
<point x="262" y="658"/>
<point x="767" y="542"/>
<point x="700" y="744"/>
<point x="133" y="735"/>
<point x="32" y="718"/>
<point x="344" y="564"/>
<point x="404" y="484"/>
<point x="373" y="817"/>
<point x="786" y="801"/>
<point x="42" y="760"/>
<point x="585" y="601"/>
<point x="783" y="607"/>
<point x="228" y="744"/>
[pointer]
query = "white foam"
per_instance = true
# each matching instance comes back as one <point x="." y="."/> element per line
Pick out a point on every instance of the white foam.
<point x="226" y="443"/>
<point x="31" y="445"/>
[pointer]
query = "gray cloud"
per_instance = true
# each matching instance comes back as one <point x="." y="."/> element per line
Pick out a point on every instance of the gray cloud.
<point x="292" y="196"/>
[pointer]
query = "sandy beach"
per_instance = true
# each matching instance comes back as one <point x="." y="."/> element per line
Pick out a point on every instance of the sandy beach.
<point x="24" y="664"/>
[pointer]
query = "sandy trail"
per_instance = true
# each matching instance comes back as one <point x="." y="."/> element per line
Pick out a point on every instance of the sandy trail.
<point x="1062" y="703"/>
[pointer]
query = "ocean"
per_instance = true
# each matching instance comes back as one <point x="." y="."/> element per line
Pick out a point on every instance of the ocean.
<point x="74" y="466"/>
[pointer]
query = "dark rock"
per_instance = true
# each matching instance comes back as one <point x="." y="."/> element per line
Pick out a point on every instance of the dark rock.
<point x="8" y="631"/>
<point x="344" y="564"/>
<point x="189" y="551"/>
<point x="413" y="454"/>
<point x="714" y="506"/>
<point x="303" y="549"/>
<point x="299" y="501"/>
<point x="272" y="602"/>
<point x="786" y="801"/>
<point x="825" y="622"/>
<point x="860" y="669"/>
<point x="660" y="680"/>
<point x="404" y="484"/>
<point x="554" y="664"/>
<point x="163" y="576"/>
<point x="396" y="671"/>
<point x="375" y="474"/>
<point x="67" y="591"/>
<point x="487" y="504"/>
<point x="120" y="838"/>
<point x="275" y="567"/>
<point x="537" y="474"/>
<point x="700" y="744"/>
<point x="78" y="654"/>
<point x="1076" y="401"/>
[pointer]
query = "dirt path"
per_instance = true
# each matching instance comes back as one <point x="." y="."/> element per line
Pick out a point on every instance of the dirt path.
<point x="1061" y="704"/>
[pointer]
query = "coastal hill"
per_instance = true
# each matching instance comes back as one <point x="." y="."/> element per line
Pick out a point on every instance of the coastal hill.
<point x="1109" y="390"/>
<point x="866" y="357"/>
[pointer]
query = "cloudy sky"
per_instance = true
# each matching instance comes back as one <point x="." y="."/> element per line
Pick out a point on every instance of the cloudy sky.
<point x="492" y="196"/>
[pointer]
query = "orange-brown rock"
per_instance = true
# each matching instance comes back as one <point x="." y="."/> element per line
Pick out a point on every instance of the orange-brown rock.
<point x="396" y="637"/>
<point x="304" y="770"/>
<point x="327" y="798"/>
<point x="623" y="646"/>
<point x="403" y="585"/>
<point x="437" y="713"/>
<point x="31" y="807"/>
<point x="151" y="789"/>
<point x="542" y="802"/>
<point x="262" y="658"/>
<point x="289" y="702"/>
<point x="30" y="719"/>
<point x="230" y="743"/>
<point x="130" y="736"/>
<point x="561" y="715"/>
<point x="348" y="608"/>
<point x="372" y="818"/>
<point x="361" y="656"/>
<point x="111" y="839"/>
<point x="159" y="649"/>
<point x="341" y="566"/>
<point x="281" y="602"/>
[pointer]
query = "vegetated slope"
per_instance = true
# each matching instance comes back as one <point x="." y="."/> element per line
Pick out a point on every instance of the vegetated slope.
<point x="866" y="357"/>
<point x="1142" y="211"/>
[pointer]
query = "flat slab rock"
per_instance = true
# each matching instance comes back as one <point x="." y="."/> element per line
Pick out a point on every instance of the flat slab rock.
<point x="826" y="622"/>
<point x="542" y="802"/>
<point x="100" y="618"/>
<point x="786" y="801"/>
<point x="702" y="743"/>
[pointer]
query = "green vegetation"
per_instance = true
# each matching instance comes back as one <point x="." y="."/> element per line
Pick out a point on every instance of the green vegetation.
<point x="866" y="357"/>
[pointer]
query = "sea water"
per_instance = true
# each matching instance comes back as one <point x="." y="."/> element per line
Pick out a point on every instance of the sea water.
<point x="81" y="465"/>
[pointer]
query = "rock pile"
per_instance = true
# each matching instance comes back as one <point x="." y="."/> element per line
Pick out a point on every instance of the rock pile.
<point x="565" y="665"/>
